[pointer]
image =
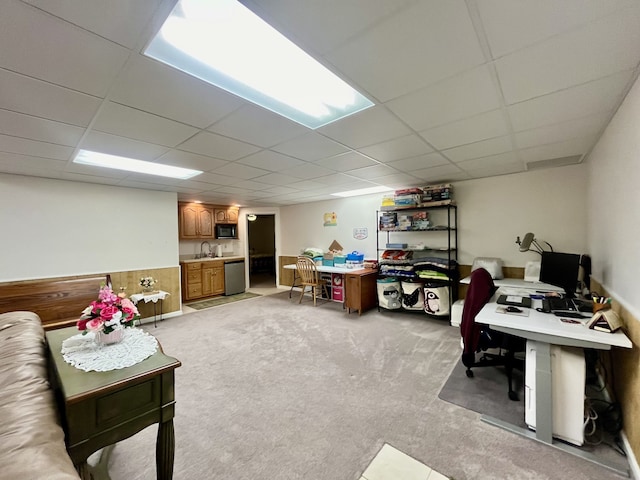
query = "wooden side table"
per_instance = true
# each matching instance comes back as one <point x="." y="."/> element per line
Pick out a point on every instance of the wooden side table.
<point x="99" y="409"/>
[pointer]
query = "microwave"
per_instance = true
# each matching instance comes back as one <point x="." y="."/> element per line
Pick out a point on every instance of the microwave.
<point x="226" y="230"/>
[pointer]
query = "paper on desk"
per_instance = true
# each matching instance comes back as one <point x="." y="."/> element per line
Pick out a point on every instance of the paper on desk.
<point x="523" y="313"/>
<point x="516" y="291"/>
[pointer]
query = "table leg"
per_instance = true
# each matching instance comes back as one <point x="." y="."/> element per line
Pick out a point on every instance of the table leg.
<point x="293" y="284"/>
<point x="165" y="450"/>
<point x="84" y="471"/>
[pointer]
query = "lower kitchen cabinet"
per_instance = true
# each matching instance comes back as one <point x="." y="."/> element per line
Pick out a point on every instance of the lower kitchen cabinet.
<point x="202" y="279"/>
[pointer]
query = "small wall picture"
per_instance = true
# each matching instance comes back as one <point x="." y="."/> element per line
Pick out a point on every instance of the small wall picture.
<point x="360" y="233"/>
<point x="330" y="219"/>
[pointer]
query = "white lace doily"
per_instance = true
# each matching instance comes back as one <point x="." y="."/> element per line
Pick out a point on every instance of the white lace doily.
<point x="82" y="352"/>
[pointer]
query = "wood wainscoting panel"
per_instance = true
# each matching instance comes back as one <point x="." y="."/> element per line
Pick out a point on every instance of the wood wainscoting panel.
<point x="286" y="276"/>
<point x="622" y="372"/>
<point x="168" y="280"/>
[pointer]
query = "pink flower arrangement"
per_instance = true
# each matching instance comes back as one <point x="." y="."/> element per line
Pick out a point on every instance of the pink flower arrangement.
<point x="110" y="312"/>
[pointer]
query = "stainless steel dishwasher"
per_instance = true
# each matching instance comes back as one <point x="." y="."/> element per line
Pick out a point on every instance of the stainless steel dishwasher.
<point x="234" y="277"/>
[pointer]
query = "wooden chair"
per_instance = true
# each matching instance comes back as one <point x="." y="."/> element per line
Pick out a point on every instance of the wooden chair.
<point x="308" y="273"/>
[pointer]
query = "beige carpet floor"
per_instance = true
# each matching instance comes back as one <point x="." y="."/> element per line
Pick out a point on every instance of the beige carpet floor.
<point x="222" y="300"/>
<point x="269" y="389"/>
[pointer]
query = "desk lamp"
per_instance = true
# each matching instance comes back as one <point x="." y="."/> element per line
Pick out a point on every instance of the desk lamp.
<point x="528" y="241"/>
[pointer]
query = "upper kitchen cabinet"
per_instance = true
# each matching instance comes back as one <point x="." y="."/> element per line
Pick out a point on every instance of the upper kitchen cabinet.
<point x="196" y="221"/>
<point x="226" y="215"/>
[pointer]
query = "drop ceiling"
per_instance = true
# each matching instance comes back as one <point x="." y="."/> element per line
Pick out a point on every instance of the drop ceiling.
<point x="462" y="90"/>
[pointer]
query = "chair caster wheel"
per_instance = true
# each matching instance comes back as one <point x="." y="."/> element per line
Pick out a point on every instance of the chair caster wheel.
<point x="513" y="396"/>
<point x="469" y="373"/>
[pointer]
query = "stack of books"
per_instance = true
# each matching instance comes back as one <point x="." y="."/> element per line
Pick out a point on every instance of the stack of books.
<point x="437" y="193"/>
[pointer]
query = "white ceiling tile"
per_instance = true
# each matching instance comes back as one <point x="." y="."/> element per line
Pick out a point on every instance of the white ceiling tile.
<point x="467" y="94"/>
<point x="411" y="42"/>
<point x="279" y="190"/>
<point x="277" y="179"/>
<point x="256" y="125"/>
<point x="217" y="146"/>
<point x="403" y="147"/>
<point x="511" y="25"/>
<point x="309" y="22"/>
<point x="125" y="147"/>
<point x="310" y="146"/>
<point x="346" y="161"/>
<point x="272" y="161"/>
<point x="120" y="22"/>
<point x="468" y="130"/>
<point x="306" y="185"/>
<point x="598" y="96"/>
<point x="582" y="127"/>
<point x="419" y="162"/>
<point x="575" y="146"/>
<point x="213" y="177"/>
<point x="86" y="178"/>
<point x="27" y="126"/>
<point x="66" y="55"/>
<point x="334" y="179"/>
<point x="240" y="171"/>
<point x="158" y="88"/>
<point x="365" y="128"/>
<point x="24" y="146"/>
<point x="41" y="99"/>
<point x="252" y="185"/>
<point x="308" y="171"/>
<point x="368" y="173"/>
<point x="129" y="122"/>
<point x="28" y="165"/>
<point x="396" y="180"/>
<point x="483" y="148"/>
<point x="179" y="158"/>
<point x="561" y="62"/>
<point x="491" y="162"/>
<point x="440" y="172"/>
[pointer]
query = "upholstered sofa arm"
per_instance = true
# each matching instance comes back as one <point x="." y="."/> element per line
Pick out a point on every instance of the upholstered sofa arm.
<point x="31" y="438"/>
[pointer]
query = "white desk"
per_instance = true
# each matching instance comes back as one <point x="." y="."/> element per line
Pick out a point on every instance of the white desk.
<point x="547" y="329"/>
<point x="520" y="283"/>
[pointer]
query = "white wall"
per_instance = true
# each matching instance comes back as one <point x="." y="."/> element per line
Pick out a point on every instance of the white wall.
<point x="614" y="203"/>
<point x="54" y="228"/>
<point x="492" y="212"/>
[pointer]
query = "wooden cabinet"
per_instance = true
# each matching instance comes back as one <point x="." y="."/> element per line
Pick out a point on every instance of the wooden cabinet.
<point x="191" y="280"/>
<point x="360" y="290"/>
<point x="202" y="279"/>
<point x="195" y="221"/>
<point x="212" y="278"/>
<point x="226" y="215"/>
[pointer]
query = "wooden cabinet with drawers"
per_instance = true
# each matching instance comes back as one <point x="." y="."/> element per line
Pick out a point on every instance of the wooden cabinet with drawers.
<point x="202" y="279"/>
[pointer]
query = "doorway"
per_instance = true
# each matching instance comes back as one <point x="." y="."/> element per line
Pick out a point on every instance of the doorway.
<point x="261" y="240"/>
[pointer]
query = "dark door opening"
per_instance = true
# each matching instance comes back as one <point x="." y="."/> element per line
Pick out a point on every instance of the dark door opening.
<point x="261" y="239"/>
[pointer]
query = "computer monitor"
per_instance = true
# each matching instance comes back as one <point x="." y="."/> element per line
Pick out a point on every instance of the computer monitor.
<point x="561" y="270"/>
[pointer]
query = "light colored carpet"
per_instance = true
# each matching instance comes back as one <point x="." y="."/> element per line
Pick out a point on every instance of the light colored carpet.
<point x="217" y="301"/>
<point x="270" y="389"/>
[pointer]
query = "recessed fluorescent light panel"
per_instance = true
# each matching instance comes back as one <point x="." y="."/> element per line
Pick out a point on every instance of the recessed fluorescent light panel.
<point x="362" y="191"/>
<point x="224" y="43"/>
<point x="97" y="159"/>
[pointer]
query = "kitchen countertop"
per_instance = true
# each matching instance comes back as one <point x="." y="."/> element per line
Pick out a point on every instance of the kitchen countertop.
<point x="213" y="259"/>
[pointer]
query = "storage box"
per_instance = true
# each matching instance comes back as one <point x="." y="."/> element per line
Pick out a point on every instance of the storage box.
<point x="327" y="262"/>
<point x="339" y="259"/>
<point x="355" y="257"/>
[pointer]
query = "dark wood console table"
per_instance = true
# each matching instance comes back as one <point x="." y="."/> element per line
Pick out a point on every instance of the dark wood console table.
<point x="102" y="408"/>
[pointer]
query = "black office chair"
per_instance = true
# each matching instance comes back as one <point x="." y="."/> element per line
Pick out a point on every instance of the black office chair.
<point x="477" y="338"/>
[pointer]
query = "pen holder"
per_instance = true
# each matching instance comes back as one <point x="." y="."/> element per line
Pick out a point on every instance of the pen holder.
<point x="600" y="306"/>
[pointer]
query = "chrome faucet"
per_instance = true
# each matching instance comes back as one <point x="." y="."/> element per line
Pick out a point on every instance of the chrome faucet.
<point x="202" y="248"/>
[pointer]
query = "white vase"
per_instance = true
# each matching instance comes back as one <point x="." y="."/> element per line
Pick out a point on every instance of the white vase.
<point x="115" y="336"/>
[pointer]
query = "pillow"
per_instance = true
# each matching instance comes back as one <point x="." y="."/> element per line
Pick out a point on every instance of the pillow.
<point x="491" y="265"/>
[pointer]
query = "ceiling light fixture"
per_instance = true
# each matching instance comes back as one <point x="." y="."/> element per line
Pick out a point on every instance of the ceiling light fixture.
<point x="362" y="191"/>
<point x="224" y="43"/>
<point x="97" y="159"/>
<point x="251" y="217"/>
